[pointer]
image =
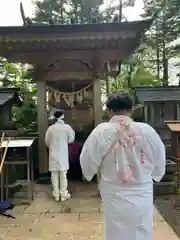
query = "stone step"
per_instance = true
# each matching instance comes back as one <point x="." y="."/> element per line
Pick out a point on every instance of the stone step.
<point x="170" y="166"/>
<point x="163" y="188"/>
<point x="169" y="178"/>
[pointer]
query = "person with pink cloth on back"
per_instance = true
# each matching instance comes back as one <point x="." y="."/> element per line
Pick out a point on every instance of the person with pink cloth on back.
<point x="126" y="156"/>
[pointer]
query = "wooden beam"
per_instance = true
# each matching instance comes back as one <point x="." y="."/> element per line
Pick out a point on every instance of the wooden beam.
<point x="57" y="76"/>
<point x="42" y="125"/>
<point x="68" y="81"/>
<point x="44" y="58"/>
<point x="71" y="37"/>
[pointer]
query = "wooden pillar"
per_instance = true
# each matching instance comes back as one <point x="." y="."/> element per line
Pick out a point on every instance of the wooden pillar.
<point x="177" y="111"/>
<point x="107" y="87"/>
<point x="145" y="113"/>
<point x="152" y="114"/>
<point x="162" y="113"/>
<point x="97" y="104"/>
<point x="42" y="125"/>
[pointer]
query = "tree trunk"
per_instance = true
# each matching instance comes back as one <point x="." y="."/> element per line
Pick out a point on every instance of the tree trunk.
<point x="157" y="52"/>
<point x="82" y="14"/>
<point x="164" y="60"/>
<point x="62" y="12"/>
<point x="76" y="14"/>
<point x="165" y="69"/>
<point x="130" y="77"/>
<point x="120" y="20"/>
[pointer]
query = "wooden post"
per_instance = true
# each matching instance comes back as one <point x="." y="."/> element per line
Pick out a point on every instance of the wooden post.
<point x="152" y="114"/>
<point x="107" y="87"/>
<point x="42" y="125"/>
<point x="162" y="113"/>
<point x="97" y="104"/>
<point x="177" y="111"/>
<point x="146" y="113"/>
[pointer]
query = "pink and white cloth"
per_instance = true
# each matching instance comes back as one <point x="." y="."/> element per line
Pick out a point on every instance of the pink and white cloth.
<point x="129" y="145"/>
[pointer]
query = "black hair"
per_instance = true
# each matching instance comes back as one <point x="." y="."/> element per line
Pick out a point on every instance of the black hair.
<point x="119" y="101"/>
<point x="58" y="114"/>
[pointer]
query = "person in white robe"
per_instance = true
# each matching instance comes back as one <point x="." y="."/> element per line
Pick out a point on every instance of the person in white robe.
<point x="126" y="156"/>
<point x="57" y="138"/>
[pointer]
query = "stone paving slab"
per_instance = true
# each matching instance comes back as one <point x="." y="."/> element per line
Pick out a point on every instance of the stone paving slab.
<point x="45" y="219"/>
<point x="91" y="217"/>
<point x="164" y="231"/>
<point x="20" y="219"/>
<point x="77" y="190"/>
<point x="4" y="230"/>
<point x="157" y="216"/>
<point x="43" y="206"/>
<point x="69" y="226"/>
<point x="57" y="226"/>
<point x="75" y="205"/>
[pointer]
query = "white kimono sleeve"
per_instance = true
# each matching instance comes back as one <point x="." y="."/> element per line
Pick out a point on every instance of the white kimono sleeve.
<point x="158" y="155"/>
<point x="71" y="134"/>
<point x="94" y="149"/>
<point x="47" y="137"/>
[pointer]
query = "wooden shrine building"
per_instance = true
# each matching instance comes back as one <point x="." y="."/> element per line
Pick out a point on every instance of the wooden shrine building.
<point x="74" y="55"/>
<point x="8" y="98"/>
<point x="161" y="104"/>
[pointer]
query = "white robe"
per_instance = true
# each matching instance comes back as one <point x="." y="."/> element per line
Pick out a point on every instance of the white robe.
<point x="127" y="206"/>
<point x="57" y="138"/>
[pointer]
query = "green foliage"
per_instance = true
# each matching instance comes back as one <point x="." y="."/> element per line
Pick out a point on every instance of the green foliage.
<point x="132" y="77"/>
<point x="8" y="73"/>
<point x="164" y="30"/>
<point x="62" y="11"/>
<point x="80" y="11"/>
<point x="15" y="76"/>
<point x="25" y="116"/>
<point x="134" y="73"/>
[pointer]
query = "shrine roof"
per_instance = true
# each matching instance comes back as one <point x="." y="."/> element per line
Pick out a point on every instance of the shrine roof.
<point x="35" y="44"/>
<point x="70" y="29"/>
<point x="5" y="97"/>
<point x="7" y="94"/>
<point x="71" y="37"/>
<point x="157" y="93"/>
